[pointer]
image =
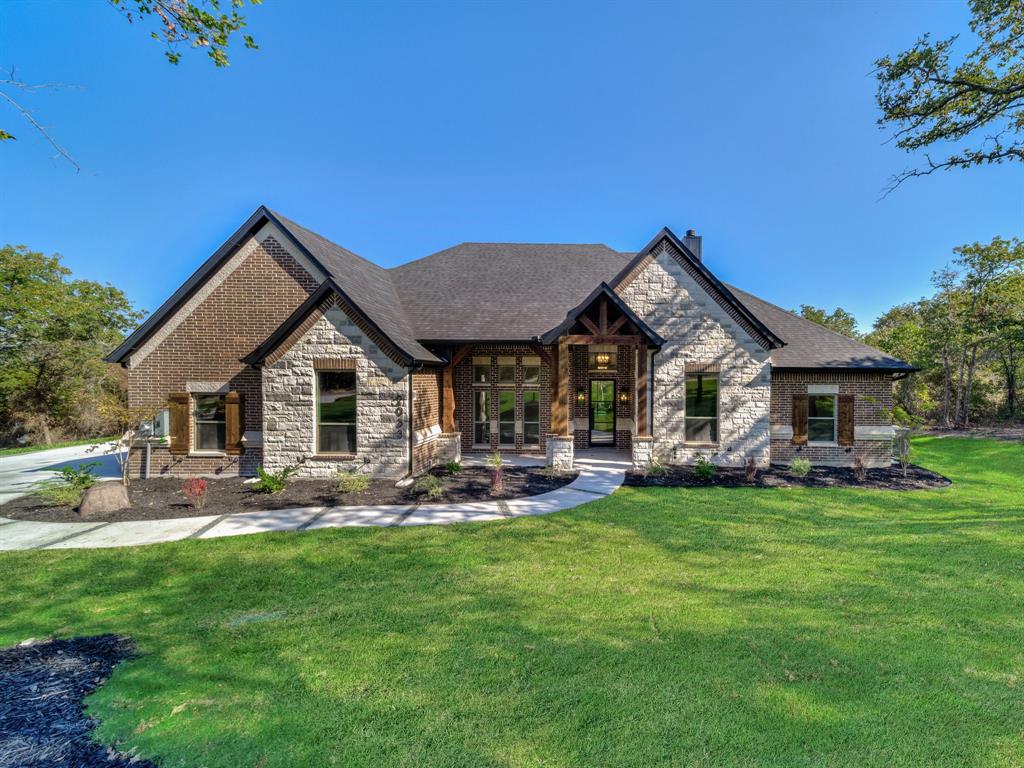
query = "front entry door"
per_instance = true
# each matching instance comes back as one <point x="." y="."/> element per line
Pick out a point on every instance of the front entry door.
<point x="602" y="412"/>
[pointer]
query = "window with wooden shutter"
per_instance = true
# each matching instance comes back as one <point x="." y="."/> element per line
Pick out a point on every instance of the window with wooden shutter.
<point x="799" y="419"/>
<point x="846" y="420"/>
<point x="234" y="422"/>
<point x="179" y="417"/>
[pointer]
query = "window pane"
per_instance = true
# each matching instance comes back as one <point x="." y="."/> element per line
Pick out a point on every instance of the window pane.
<point x="531" y="370"/>
<point x="210" y="436"/>
<point x="507" y="374"/>
<point x="531" y="406"/>
<point x="821" y="406"/>
<point x="337" y="438"/>
<point x="702" y="430"/>
<point x="481" y="406"/>
<point x="337" y="397"/>
<point x="531" y="433"/>
<point x="821" y="430"/>
<point x="481" y="373"/>
<point x="507" y="432"/>
<point x="210" y="407"/>
<point x="506" y="405"/>
<point x="702" y="395"/>
<point x="482" y="433"/>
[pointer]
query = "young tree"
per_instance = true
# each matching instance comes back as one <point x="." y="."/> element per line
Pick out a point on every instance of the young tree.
<point x="930" y="98"/>
<point x="838" y="320"/>
<point x="53" y="335"/>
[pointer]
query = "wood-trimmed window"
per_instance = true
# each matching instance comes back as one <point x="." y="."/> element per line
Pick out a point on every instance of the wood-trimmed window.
<point x="336" y="412"/>
<point x="821" y="419"/>
<point x="702" y="408"/>
<point x="210" y="422"/>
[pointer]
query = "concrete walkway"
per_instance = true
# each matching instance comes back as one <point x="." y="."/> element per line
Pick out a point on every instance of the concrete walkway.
<point x="601" y="472"/>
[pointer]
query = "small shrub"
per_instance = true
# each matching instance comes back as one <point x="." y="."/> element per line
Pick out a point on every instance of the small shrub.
<point x="860" y="472"/>
<point x="655" y="468"/>
<point x="273" y="482"/>
<point x="750" y="470"/>
<point x="351" y="482"/>
<point x="59" y="494"/>
<point x="430" y="486"/>
<point x="704" y="469"/>
<point x="453" y="467"/>
<point x="494" y="461"/>
<point x="67" y="488"/>
<point x="195" y="491"/>
<point x="799" y="467"/>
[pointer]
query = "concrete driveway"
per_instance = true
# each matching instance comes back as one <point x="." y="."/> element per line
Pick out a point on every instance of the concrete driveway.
<point x="19" y="473"/>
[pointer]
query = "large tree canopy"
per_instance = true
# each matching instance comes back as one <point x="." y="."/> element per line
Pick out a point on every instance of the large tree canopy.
<point x="970" y="107"/>
<point x="54" y="332"/>
<point x="838" y="320"/>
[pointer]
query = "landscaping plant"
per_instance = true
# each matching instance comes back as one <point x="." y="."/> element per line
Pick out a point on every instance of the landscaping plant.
<point x="453" y="467"/>
<point x="351" y="482"/>
<point x="273" y="482"/>
<point x="67" y="488"/>
<point x="799" y="467"/>
<point x="750" y="470"/>
<point x="195" y="491"/>
<point x="430" y="486"/>
<point x="859" y="470"/>
<point x="497" y="473"/>
<point x="704" y="469"/>
<point x="655" y="468"/>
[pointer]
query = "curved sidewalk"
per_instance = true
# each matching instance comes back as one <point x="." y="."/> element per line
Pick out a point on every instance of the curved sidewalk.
<point x="598" y="476"/>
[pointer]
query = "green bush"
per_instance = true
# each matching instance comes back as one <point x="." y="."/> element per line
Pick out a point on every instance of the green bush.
<point x="799" y="467"/>
<point x="67" y="488"/>
<point x="430" y="486"/>
<point x="453" y="467"/>
<point x="655" y="468"/>
<point x="704" y="469"/>
<point x="351" y="482"/>
<point x="273" y="482"/>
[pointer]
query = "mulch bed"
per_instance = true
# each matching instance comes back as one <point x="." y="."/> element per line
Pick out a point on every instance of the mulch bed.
<point x="888" y="478"/>
<point x="161" y="498"/>
<point x="42" y="685"/>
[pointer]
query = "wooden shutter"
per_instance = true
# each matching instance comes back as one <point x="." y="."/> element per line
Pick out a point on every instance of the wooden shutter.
<point x="845" y="427"/>
<point x="799" y="419"/>
<point x="234" y="422"/>
<point x="178" y="407"/>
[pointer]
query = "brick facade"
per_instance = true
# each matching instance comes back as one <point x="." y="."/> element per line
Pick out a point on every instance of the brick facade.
<point x="872" y="393"/>
<point x="261" y="285"/>
<point x="625" y="381"/>
<point x="426" y="418"/>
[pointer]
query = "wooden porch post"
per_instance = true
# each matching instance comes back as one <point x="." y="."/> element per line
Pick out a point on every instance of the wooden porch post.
<point x="448" y="390"/>
<point x="560" y="402"/>
<point x="641" y="391"/>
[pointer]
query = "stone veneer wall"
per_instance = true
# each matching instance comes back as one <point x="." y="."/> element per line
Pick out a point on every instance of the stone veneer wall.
<point x="382" y="410"/>
<point x="698" y="331"/>
<point x="872" y="397"/>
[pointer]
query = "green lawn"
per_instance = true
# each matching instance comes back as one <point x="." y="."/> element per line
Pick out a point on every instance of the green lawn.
<point x="66" y="444"/>
<point x="710" y="627"/>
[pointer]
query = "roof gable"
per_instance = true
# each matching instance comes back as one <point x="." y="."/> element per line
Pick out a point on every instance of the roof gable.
<point x="578" y="312"/>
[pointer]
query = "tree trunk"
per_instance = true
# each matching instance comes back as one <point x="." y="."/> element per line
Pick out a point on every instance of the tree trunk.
<point x="966" y="416"/>
<point x="960" y="386"/>
<point x="1010" y="374"/>
<point x="946" y="385"/>
<point x="44" y="424"/>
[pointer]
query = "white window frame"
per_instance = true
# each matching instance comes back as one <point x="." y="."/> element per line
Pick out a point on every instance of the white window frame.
<point x="834" y="418"/>
<point x="196" y="421"/>
<point x="718" y="409"/>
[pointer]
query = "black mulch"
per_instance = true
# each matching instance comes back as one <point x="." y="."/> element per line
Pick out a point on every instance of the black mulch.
<point x="161" y="498"/>
<point x="42" y="685"/>
<point x="888" y="478"/>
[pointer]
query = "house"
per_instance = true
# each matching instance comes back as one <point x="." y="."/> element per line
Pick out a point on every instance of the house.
<point x="286" y="349"/>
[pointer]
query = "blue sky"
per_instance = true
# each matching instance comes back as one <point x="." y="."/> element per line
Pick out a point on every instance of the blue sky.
<point x="400" y="129"/>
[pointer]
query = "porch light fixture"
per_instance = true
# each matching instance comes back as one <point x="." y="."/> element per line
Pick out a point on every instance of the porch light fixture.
<point x="581" y="396"/>
<point x="602" y="359"/>
<point x="623" y="395"/>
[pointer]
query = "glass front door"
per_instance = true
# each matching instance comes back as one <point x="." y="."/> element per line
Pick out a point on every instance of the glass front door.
<point x="602" y="412"/>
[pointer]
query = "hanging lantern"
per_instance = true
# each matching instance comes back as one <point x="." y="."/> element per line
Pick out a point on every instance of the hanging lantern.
<point x="602" y="359"/>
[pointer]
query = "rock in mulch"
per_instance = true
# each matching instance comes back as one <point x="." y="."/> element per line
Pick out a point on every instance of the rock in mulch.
<point x="42" y="685"/>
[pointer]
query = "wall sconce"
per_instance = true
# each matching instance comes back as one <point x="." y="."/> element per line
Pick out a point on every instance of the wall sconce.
<point x="602" y="359"/>
<point x="623" y="395"/>
<point x="581" y="396"/>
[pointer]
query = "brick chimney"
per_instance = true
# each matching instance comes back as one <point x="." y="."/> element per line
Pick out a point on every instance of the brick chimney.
<point x="693" y="241"/>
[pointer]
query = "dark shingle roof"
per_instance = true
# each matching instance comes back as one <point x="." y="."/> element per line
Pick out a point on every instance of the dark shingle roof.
<point x="810" y="345"/>
<point x="367" y="285"/>
<point x="500" y="291"/>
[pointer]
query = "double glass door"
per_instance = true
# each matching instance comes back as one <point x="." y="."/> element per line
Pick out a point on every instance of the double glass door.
<point x="602" y="412"/>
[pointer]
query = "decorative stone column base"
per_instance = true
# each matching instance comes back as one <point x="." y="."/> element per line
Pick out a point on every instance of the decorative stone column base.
<point x="449" y="447"/>
<point x="643" y="452"/>
<point x="560" y="452"/>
